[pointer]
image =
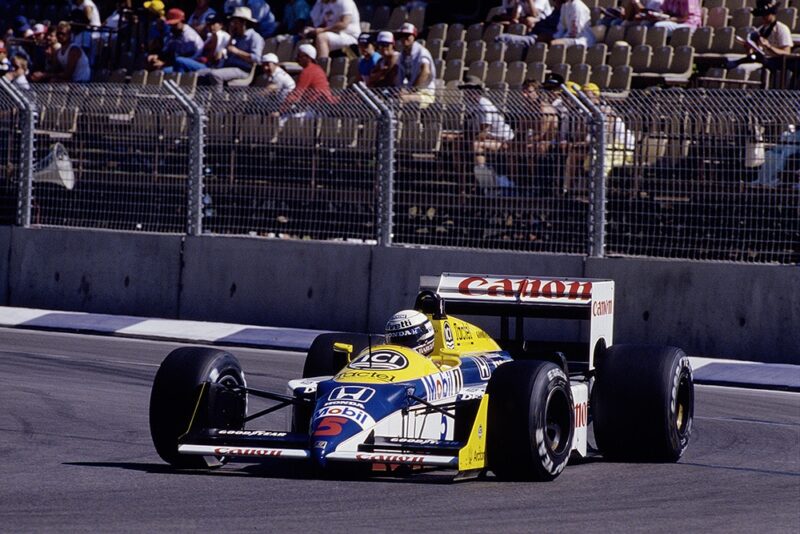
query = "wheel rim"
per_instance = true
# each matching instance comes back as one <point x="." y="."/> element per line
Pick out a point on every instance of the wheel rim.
<point x="557" y="421"/>
<point x="683" y="402"/>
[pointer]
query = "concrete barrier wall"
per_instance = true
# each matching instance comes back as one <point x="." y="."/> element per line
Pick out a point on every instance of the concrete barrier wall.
<point x="749" y="312"/>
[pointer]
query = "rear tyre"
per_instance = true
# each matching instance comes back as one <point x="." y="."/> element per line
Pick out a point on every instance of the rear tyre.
<point x="531" y="421"/>
<point x="322" y="360"/>
<point x="176" y="402"/>
<point x="643" y="403"/>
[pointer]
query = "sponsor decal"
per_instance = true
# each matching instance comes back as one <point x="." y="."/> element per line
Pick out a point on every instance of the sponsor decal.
<point x="422" y="441"/>
<point x="471" y="393"/>
<point x="231" y="451"/>
<point x="330" y="426"/>
<point x="320" y="444"/>
<point x="391" y="458"/>
<point x="484" y="368"/>
<point x="525" y="288"/>
<point x="358" y="416"/>
<point x="449" y="342"/>
<point x="382" y="360"/>
<point x="358" y="394"/>
<point x="367" y="375"/>
<point x="444" y="384"/>
<point x="260" y="433"/>
<point x="602" y="307"/>
<point x="581" y="414"/>
<point x="480" y="431"/>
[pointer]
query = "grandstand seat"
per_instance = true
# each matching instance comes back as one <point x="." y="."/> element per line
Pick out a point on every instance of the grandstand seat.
<point x="580" y="73"/>
<point x="456" y="50"/>
<point x="189" y="82"/>
<point x="455" y="32"/>
<point x="453" y="70"/>
<point x="438" y="31"/>
<point x="397" y="18"/>
<point x="701" y="39"/>
<point x="495" y="52"/>
<point x="496" y="73"/>
<point x="556" y="54"/>
<point x="270" y="45"/>
<point x="476" y="51"/>
<point x="285" y="50"/>
<point x="661" y="60"/>
<point x="536" y="72"/>
<point x="435" y="47"/>
<point x="738" y="4"/>
<point x="714" y="78"/>
<point x="536" y="53"/>
<point x="380" y="19"/>
<point x="621" y="78"/>
<point x="439" y="66"/>
<point x="174" y="77"/>
<point x="474" y="32"/>
<point x="680" y="37"/>
<point x="517" y="29"/>
<point x="562" y="69"/>
<point x="338" y="81"/>
<point x="491" y="31"/>
<point x="515" y="52"/>
<point x="614" y="34"/>
<point x="338" y="66"/>
<point x="680" y="69"/>
<point x="599" y="32"/>
<point x="620" y="55"/>
<point x="596" y="54"/>
<point x="636" y="35"/>
<point x="576" y="54"/>
<point x="641" y="56"/>
<point x="717" y="17"/>
<point x="601" y="76"/>
<point x="742" y="18"/>
<point x="417" y="17"/>
<point x="722" y="43"/>
<point x="325" y="64"/>
<point x="789" y="17"/>
<point x="477" y="69"/>
<point x="515" y="74"/>
<point x="656" y="36"/>
<point x="139" y="77"/>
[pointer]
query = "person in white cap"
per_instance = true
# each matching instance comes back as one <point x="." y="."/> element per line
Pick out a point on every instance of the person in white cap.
<point x="417" y="70"/>
<point x="279" y="81"/>
<point x="244" y="51"/>
<point x="312" y="84"/>
<point x="385" y="72"/>
<point x="337" y="24"/>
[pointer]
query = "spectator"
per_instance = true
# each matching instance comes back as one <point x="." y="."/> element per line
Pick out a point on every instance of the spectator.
<point x="385" y="73"/>
<point x="157" y="29"/>
<point x="312" y="84"/>
<point x="183" y="41"/>
<point x="574" y="25"/>
<point x="72" y="62"/>
<point x="114" y="20"/>
<point x="527" y="12"/>
<point x="243" y="53"/>
<point x="296" y="17"/>
<point x="199" y="19"/>
<point x="417" y="70"/>
<point x="776" y="158"/>
<point x="279" y="81"/>
<point x="542" y="31"/>
<point x="214" y="48"/>
<point x="768" y="43"/>
<point x="493" y="135"/>
<point x="369" y="57"/>
<point x="265" y="23"/>
<point x="5" y="63"/>
<point x="676" y="14"/>
<point x="620" y="141"/>
<point x="89" y="10"/>
<point x="19" y="70"/>
<point x="337" y="25"/>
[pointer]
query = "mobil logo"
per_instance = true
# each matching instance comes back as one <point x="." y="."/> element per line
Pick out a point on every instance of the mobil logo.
<point x="351" y="394"/>
<point x="357" y="415"/>
<point x="444" y="384"/>
<point x="380" y="360"/>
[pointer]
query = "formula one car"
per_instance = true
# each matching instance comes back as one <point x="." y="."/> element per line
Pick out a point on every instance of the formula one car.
<point x="513" y="406"/>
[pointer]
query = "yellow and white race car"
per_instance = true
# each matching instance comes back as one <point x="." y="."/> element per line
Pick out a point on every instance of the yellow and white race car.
<point x="515" y="406"/>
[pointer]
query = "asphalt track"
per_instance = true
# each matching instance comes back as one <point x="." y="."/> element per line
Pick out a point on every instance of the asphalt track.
<point x="77" y="455"/>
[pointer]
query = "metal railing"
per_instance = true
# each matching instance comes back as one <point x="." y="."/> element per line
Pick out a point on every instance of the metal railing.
<point x="691" y="174"/>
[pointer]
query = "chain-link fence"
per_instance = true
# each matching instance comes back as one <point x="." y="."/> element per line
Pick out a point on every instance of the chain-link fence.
<point x="692" y="174"/>
<point x="110" y="156"/>
<point x="307" y="171"/>
<point x="10" y="157"/>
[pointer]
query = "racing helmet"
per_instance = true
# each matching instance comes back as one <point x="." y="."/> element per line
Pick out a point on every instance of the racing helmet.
<point x="412" y="329"/>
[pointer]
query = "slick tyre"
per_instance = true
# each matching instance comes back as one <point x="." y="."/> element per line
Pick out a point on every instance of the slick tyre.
<point x="322" y="360"/>
<point x="643" y="403"/>
<point x="530" y="421"/>
<point x="192" y="388"/>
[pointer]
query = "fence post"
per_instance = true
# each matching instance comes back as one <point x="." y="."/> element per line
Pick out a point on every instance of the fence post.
<point x="196" y="135"/>
<point x="597" y="195"/>
<point x="385" y="152"/>
<point x="28" y="117"/>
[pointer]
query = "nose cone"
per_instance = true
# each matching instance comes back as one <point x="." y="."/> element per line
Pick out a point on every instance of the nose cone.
<point x="344" y="411"/>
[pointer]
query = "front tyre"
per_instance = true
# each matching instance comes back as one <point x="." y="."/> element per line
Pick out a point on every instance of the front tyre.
<point x="643" y="403"/>
<point x="531" y="421"/>
<point x="192" y="388"/>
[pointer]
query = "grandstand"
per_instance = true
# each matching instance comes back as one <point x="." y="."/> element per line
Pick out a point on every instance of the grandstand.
<point x="690" y="189"/>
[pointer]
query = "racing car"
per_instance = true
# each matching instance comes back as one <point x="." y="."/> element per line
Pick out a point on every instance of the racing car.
<point x="517" y="407"/>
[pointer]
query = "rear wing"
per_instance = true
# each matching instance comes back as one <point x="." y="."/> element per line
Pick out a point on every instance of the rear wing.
<point x="586" y="299"/>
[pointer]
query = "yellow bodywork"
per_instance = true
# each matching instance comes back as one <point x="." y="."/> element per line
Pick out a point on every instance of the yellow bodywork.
<point x="473" y="454"/>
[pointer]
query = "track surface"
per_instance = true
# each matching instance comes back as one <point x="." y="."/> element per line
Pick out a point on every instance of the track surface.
<point x="77" y="455"/>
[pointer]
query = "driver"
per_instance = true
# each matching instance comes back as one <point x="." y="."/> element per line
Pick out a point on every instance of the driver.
<point x="412" y="329"/>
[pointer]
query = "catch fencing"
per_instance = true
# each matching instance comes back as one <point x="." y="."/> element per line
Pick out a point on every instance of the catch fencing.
<point x="690" y="174"/>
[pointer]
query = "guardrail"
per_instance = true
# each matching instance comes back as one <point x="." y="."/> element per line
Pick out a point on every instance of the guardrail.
<point x="691" y="174"/>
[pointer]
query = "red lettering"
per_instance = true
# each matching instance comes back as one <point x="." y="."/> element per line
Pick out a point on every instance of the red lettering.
<point x="463" y="286"/>
<point x="504" y="285"/>
<point x="330" y="426"/>
<point x="580" y="290"/>
<point x="581" y="414"/>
